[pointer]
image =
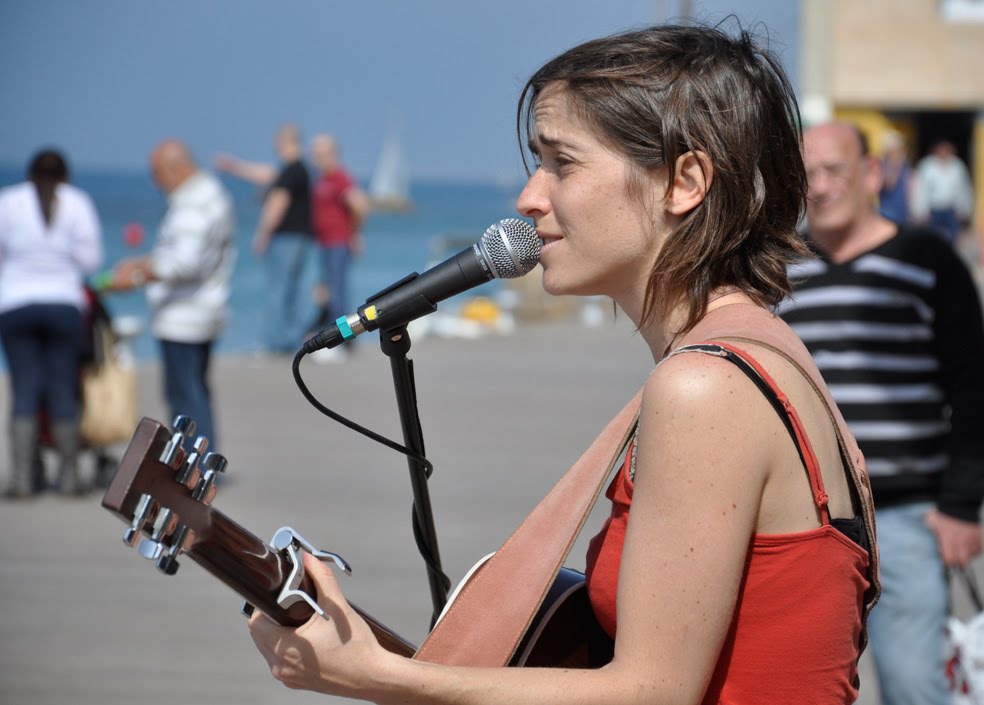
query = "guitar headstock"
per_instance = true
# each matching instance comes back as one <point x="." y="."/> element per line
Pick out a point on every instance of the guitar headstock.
<point x="163" y="491"/>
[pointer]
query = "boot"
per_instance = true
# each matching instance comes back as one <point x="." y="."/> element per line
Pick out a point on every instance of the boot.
<point x="105" y="470"/>
<point x="23" y="447"/>
<point x="39" y="481"/>
<point x="65" y="435"/>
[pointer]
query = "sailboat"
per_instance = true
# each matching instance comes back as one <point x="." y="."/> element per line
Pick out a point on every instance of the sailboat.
<point x="389" y="187"/>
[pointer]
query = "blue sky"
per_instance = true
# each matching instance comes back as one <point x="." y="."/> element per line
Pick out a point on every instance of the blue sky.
<point x="106" y="79"/>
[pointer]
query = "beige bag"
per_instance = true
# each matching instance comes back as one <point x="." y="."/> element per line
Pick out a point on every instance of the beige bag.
<point x="109" y="394"/>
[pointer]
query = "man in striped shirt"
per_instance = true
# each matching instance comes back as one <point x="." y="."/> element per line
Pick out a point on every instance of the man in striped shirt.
<point x="893" y="319"/>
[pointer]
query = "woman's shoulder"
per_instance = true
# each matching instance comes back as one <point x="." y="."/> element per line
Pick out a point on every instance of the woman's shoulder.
<point x="15" y="191"/>
<point x="701" y="404"/>
<point x="76" y="201"/>
<point x="15" y="201"/>
<point x="692" y="380"/>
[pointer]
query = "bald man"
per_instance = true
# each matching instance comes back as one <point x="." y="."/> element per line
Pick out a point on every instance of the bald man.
<point x="892" y="317"/>
<point x="188" y="276"/>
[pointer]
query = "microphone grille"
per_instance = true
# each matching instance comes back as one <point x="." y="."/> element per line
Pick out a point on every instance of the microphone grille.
<point x="511" y="248"/>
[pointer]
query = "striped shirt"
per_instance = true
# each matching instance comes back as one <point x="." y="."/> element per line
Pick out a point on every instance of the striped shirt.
<point x="898" y="335"/>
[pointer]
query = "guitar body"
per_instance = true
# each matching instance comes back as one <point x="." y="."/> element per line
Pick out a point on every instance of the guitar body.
<point x="166" y="494"/>
<point x="565" y="633"/>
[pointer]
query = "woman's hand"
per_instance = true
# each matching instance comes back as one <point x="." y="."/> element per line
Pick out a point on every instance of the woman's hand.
<point x="336" y="654"/>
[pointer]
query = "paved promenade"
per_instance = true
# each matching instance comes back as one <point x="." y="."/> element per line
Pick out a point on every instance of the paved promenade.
<point x="85" y="620"/>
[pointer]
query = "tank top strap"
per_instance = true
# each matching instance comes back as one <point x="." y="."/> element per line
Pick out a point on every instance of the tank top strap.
<point x="783" y="407"/>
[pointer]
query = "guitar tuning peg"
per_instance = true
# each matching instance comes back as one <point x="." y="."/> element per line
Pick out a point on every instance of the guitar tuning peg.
<point x="189" y="473"/>
<point x="151" y="548"/>
<point x="140" y="515"/>
<point x="214" y="463"/>
<point x="183" y="426"/>
<point x="168" y="563"/>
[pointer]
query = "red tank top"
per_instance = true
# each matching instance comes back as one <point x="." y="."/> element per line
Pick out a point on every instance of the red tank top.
<point x="795" y="636"/>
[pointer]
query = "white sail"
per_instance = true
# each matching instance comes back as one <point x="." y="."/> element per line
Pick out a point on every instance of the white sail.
<point x="389" y="187"/>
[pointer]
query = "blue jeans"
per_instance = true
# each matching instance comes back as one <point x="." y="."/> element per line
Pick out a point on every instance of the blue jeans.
<point x="43" y="345"/>
<point x="335" y="261"/>
<point x="186" y="384"/>
<point x="284" y="329"/>
<point x="945" y="220"/>
<point x="908" y="624"/>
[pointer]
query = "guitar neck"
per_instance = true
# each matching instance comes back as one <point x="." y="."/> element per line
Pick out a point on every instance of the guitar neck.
<point x="221" y="546"/>
<point x="257" y="572"/>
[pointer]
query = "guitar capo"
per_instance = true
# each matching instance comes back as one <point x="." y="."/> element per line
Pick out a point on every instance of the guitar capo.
<point x="291" y="544"/>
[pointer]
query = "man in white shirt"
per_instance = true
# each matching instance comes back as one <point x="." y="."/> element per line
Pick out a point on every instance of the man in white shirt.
<point x="943" y="194"/>
<point x="188" y="276"/>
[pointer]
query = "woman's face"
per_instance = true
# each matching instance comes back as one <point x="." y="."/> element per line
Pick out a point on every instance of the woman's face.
<point x="599" y="236"/>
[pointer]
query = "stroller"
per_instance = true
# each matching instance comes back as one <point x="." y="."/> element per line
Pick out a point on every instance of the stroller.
<point x="97" y="319"/>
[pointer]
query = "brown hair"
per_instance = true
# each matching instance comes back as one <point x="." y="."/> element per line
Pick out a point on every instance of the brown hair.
<point x="47" y="169"/>
<point x="655" y="94"/>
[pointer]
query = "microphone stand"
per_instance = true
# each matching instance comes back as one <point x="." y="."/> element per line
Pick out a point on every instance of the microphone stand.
<point x="395" y="344"/>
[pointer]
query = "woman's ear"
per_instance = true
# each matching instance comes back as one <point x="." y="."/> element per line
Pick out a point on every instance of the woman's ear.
<point x="692" y="176"/>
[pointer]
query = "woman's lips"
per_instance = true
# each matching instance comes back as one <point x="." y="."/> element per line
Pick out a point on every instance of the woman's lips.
<point x="546" y="240"/>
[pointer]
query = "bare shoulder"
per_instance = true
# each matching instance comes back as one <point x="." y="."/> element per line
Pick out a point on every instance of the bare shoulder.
<point x="695" y="380"/>
<point x="702" y="406"/>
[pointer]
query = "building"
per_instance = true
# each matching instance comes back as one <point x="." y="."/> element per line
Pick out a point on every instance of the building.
<point x="913" y="65"/>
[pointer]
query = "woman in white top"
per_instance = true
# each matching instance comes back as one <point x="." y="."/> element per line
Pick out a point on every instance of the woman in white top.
<point x="50" y="239"/>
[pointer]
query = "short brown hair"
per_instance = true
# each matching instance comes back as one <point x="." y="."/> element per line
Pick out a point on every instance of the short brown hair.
<point x="653" y="95"/>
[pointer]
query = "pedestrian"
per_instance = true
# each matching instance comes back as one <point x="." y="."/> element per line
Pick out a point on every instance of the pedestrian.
<point x="339" y="208"/>
<point x="50" y="240"/>
<point x="892" y="317"/>
<point x="897" y="177"/>
<point x="944" y="197"/>
<point x="283" y="234"/>
<point x="187" y="276"/>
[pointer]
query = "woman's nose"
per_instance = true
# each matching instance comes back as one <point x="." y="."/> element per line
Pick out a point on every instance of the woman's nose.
<point x="533" y="201"/>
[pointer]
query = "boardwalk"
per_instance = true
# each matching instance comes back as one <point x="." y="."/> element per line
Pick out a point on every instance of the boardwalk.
<point x="86" y="621"/>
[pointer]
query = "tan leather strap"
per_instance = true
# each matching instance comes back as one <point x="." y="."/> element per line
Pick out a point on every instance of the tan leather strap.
<point x="487" y="620"/>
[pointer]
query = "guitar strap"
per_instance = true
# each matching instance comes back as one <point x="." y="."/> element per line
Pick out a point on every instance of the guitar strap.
<point x="472" y="634"/>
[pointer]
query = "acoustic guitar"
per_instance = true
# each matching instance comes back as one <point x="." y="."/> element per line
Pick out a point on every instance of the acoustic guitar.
<point x="165" y="494"/>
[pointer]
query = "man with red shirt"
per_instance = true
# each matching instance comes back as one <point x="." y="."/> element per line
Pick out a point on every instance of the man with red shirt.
<point x="338" y="208"/>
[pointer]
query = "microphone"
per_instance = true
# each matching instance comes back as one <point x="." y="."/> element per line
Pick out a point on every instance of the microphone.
<point x="508" y="249"/>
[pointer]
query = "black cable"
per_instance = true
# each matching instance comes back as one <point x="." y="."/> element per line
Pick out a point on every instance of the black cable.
<point x="422" y="547"/>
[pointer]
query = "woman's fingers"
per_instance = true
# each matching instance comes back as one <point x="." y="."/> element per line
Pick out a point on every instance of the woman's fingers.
<point x="321" y="654"/>
<point x="267" y="635"/>
<point x="329" y="596"/>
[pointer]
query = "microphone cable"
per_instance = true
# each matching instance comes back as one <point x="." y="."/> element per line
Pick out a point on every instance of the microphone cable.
<point x="418" y="535"/>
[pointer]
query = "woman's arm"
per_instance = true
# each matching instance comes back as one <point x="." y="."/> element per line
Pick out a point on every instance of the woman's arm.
<point x="699" y="478"/>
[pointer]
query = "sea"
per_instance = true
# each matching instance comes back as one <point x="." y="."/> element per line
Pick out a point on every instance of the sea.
<point x="445" y="218"/>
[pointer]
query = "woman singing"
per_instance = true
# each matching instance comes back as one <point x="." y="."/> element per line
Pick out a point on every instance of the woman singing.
<point x="738" y="564"/>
